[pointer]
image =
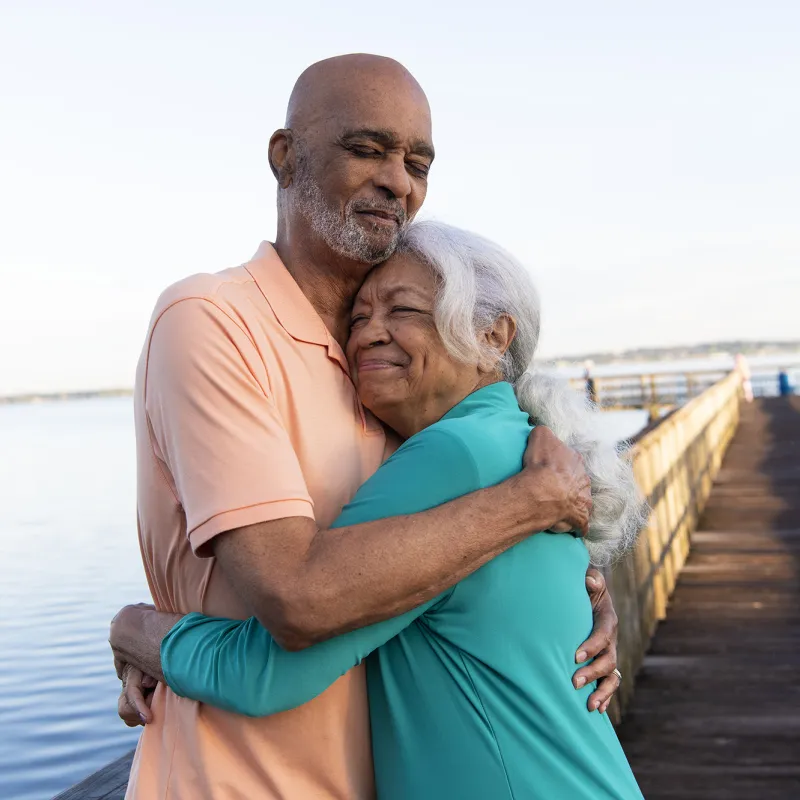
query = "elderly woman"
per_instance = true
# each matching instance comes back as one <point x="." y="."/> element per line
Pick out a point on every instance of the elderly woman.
<point x="470" y="694"/>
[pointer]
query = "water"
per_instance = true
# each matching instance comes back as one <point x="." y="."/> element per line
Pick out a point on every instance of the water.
<point x="70" y="559"/>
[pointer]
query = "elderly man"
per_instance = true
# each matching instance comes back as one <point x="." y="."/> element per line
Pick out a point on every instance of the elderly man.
<point x="251" y="439"/>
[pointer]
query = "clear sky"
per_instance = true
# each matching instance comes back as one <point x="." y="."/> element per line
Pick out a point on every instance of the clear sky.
<point x="643" y="159"/>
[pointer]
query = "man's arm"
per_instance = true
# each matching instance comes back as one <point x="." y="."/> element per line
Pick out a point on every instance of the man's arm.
<point x="235" y="664"/>
<point x="306" y="585"/>
<point x="238" y="479"/>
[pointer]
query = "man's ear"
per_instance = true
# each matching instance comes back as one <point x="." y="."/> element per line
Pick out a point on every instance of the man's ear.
<point x="282" y="156"/>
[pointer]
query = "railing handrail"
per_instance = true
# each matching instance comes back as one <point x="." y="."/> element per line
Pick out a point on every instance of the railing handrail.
<point x="675" y="464"/>
<point x="721" y="388"/>
<point x="723" y="370"/>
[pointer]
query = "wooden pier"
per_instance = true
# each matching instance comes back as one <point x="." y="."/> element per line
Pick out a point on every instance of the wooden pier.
<point x="715" y="714"/>
<point x="108" y="783"/>
<point x="716" y="710"/>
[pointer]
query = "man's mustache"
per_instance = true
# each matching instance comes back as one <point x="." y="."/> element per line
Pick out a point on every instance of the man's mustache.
<point x="394" y="208"/>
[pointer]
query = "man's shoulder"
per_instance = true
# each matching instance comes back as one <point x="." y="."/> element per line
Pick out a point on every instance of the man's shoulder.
<point x="220" y="288"/>
<point x="201" y="307"/>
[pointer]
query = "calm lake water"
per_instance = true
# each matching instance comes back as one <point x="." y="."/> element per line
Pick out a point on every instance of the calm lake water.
<point x="70" y="559"/>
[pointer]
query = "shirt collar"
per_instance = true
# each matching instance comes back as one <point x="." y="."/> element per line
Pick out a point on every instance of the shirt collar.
<point x="498" y="395"/>
<point x="292" y="308"/>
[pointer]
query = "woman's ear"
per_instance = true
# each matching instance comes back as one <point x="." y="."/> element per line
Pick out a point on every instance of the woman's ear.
<point x="502" y="333"/>
<point x="282" y="159"/>
<point x="498" y="338"/>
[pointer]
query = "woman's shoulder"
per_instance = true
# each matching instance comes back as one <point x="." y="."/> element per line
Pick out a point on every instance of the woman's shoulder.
<point x="430" y="468"/>
<point x="442" y="443"/>
<point x="494" y="443"/>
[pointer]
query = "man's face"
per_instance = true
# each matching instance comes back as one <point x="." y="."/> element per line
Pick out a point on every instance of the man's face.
<point x="357" y="185"/>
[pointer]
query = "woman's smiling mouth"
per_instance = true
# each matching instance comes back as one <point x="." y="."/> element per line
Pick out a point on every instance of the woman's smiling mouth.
<point x="373" y="364"/>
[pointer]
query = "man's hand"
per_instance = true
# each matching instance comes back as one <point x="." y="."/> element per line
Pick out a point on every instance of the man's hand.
<point x="135" y="638"/>
<point x="558" y="480"/>
<point x="136" y="635"/>
<point x="601" y="645"/>
<point x="133" y="705"/>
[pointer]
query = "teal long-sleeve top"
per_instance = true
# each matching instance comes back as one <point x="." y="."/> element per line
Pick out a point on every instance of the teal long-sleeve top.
<point x="470" y="694"/>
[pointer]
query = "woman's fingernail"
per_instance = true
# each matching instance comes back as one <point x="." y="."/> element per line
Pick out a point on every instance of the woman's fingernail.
<point x="594" y="705"/>
<point x="143" y="718"/>
<point x="579" y="682"/>
<point x="591" y="581"/>
<point x="580" y="657"/>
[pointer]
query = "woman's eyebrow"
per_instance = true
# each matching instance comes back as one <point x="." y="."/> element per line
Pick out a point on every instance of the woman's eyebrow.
<point x="393" y="292"/>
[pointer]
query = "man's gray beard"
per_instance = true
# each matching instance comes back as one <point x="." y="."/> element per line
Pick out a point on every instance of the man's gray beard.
<point x="348" y="239"/>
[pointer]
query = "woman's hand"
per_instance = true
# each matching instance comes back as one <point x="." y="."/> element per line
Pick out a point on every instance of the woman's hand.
<point x="601" y="645"/>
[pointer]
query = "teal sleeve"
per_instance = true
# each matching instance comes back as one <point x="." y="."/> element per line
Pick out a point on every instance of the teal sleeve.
<point x="236" y="665"/>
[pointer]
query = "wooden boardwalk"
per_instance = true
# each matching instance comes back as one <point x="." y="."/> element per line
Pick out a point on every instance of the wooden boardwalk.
<point x="716" y="711"/>
<point x="108" y="783"/>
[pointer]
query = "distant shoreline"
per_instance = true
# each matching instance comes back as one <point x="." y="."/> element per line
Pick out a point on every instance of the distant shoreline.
<point x="634" y="356"/>
<point x="47" y="397"/>
<point x="681" y="353"/>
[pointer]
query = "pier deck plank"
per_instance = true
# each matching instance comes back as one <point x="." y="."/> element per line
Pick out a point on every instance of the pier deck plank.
<point x="108" y="783"/>
<point x="715" y="711"/>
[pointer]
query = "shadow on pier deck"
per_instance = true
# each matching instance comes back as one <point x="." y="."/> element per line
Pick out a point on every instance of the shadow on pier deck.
<point x="716" y="711"/>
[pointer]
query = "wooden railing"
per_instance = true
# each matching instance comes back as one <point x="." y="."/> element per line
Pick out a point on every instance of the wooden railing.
<point x="649" y="391"/>
<point x="675" y="464"/>
<point x="656" y="392"/>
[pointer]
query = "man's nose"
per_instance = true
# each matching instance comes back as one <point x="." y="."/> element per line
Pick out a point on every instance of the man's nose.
<point x="393" y="176"/>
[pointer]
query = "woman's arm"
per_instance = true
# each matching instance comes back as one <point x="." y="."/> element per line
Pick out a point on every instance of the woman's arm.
<point x="237" y="665"/>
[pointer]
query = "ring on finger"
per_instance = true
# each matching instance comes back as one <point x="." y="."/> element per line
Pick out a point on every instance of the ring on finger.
<point x="618" y="674"/>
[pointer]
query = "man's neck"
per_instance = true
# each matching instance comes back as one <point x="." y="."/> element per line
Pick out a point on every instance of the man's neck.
<point x="328" y="281"/>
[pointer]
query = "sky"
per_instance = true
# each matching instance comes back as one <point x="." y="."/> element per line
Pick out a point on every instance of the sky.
<point x="642" y="158"/>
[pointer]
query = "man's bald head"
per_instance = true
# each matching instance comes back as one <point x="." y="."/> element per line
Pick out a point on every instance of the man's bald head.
<point x="352" y="163"/>
<point x="344" y="85"/>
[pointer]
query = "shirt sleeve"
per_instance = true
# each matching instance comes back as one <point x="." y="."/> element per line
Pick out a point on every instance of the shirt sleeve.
<point x="236" y="665"/>
<point x="214" y="427"/>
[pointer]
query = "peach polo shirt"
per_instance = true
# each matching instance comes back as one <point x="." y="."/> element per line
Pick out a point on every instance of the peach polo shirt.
<point x="245" y="412"/>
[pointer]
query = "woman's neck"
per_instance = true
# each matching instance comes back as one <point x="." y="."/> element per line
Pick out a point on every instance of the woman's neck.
<point x="413" y="416"/>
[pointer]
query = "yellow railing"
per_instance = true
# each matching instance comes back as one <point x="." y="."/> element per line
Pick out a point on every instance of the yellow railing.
<point x="675" y="464"/>
<point x="649" y="391"/>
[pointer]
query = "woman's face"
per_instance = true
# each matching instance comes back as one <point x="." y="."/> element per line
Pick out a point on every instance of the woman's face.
<point x="398" y="361"/>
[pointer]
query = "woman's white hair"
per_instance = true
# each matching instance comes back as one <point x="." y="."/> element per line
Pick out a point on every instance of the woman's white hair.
<point x="478" y="282"/>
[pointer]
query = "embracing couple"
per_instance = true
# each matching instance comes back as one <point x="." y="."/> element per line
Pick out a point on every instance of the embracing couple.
<point x="367" y="526"/>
